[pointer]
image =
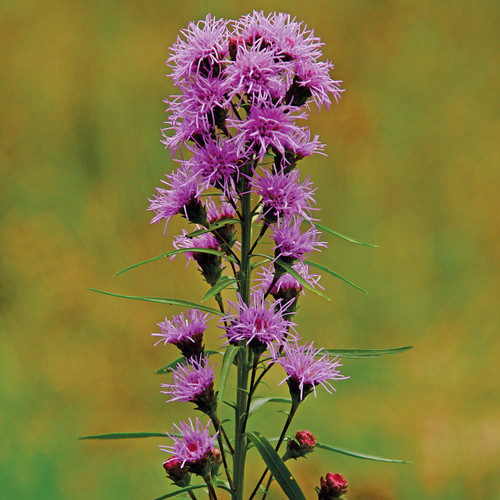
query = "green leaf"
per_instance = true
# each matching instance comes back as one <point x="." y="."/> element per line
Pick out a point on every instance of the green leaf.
<point x="126" y="435"/>
<point x="224" y="282"/>
<point x="227" y="362"/>
<point x="277" y="467"/>
<point x="211" y="228"/>
<point x="257" y="403"/>
<point x="171" y="366"/>
<point x="359" y="455"/>
<point x="299" y="278"/>
<point x="343" y="236"/>
<point x="181" y="491"/>
<point x="333" y="273"/>
<point x="170" y="302"/>
<point x="367" y="353"/>
<point x="176" y="252"/>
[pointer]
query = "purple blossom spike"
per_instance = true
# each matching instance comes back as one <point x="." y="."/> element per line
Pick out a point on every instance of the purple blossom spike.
<point x="194" y="447"/>
<point x="292" y="243"/>
<point x="305" y="369"/>
<point x="258" y="324"/>
<point x="184" y="330"/>
<point x="183" y="196"/>
<point x="193" y="382"/>
<point x="283" y="195"/>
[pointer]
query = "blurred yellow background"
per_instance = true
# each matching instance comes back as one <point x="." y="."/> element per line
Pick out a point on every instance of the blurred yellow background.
<point x="412" y="165"/>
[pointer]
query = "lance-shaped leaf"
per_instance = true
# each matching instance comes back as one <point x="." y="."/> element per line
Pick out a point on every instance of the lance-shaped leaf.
<point x="333" y="273"/>
<point x="161" y="300"/>
<point x="289" y="269"/>
<point x="126" y="435"/>
<point x="359" y="455"/>
<point x="210" y="251"/>
<point x="277" y="467"/>
<point x="224" y="282"/>
<point x="343" y="236"/>
<point x="181" y="491"/>
<point x="227" y="362"/>
<point x="213" y="227"/>
<point x="259" y="402"/>
<point x="366" y="353"/>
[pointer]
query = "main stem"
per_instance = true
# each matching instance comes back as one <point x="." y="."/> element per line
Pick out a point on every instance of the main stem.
<point x="243" y="365"/>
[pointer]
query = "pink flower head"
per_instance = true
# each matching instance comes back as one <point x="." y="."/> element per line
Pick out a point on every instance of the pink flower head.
<point x="305" y="369"/>
<point x="184" y="330"/>
<point x="193" y="382"/>
<point x="334" y="486"/>
<point x="200" y="52"/>
<point x="193" y="445"/>
<point x="283" y="195"/>
<point x="291" y="243"/>
<point x="258" y="324"/>
<point x="179" y="475"/>
<point x="183" y="196"/>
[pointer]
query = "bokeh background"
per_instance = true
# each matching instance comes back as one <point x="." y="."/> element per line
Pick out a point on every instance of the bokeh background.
<point x="412" y="165"/>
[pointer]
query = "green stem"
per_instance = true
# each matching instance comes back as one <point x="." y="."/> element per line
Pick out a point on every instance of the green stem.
<point x="217" y="425"/>
<point x="211" y="490"/>
<point x="240" y="442"/>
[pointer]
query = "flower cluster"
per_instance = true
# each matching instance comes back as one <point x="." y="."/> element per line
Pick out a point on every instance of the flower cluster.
<point x="237" y="127"/>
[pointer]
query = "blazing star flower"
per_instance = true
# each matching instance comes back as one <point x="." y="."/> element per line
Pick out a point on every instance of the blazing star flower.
<point x="305" y="370"/>
<point x="283" y="195"/>
<point x="179" y="475"/>
<point x="183" y="197"/>
<point x="265" y="127"/>
<point x="201" y="52"/>
<point x="193" y="382"/>
<point x="194" y="447"/>
<point x="287" y="287"/>
<point x="334" y="486"/>
<point x="215" y="213"/>
<point x="185" y="331"/>
<point x="291" y="242"/>
<point x="259" y="324"/>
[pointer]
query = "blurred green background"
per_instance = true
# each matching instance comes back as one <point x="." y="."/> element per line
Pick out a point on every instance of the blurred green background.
<point x="412" y="165"/>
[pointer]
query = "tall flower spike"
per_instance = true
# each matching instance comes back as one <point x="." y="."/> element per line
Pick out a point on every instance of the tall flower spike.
<point x="185" y="331"/>
<point x="193" y="382"/>
<point x="193" y="446"/>
<point x="305" y="369"/>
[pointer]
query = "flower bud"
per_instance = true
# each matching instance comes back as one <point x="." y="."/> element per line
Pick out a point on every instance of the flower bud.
<point x="303" y="443"/>
<point x="334" y="486"/>
<point x="179" y="475"/>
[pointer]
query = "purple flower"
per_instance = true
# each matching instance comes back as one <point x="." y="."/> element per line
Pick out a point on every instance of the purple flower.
<point x="258" y="324"/>
<point x="201" y="52"/>
<point x="305" y="370"/>
<point x="183" y="196"/>
<point x="265" y="127"/>
<point x="283" y="195"/>
<point x="215" y="213"/>
<point x="291" y="242"/>
<point x="193" y="382"/>
<point x="193" y="447"/>
<point x="184" y="330"/>
<point x="287" y="287"/>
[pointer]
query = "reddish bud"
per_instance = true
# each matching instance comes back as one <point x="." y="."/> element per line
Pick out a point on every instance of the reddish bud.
<point x="334" y="486"/>
<point x="179" y="475"/>
<point x="303" y="443"/>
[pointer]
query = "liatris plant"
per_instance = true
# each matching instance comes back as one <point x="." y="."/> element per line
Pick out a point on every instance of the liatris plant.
<point x="237" y="126"/>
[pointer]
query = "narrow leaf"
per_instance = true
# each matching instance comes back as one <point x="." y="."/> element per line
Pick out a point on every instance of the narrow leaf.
<point x="171" y="366"/>
<point x="333" y="273"/>
<point x="227" y="362"/>
<point x="359" y="455"/>
<point x="125" y="435"/>
<point x="224" y="282"/>
<point x="299" y="278"/>
<point x="277" y="467"/>
<point x="367" y="353"/>
<point x="259" y="402"/>
<point x="343" y="236"/>
<point x="181" y="491"/>
<point x="170" y="302"/>
<point x="213" y="227"/>
<point x="176" y="252"/>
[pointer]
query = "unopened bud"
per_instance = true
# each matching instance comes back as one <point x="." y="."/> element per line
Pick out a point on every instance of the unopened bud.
<point x="334" y="486"/>
<point x="179" y="475"/>
<point x="303" y="443"/>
